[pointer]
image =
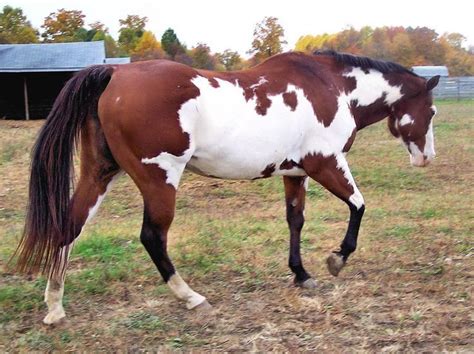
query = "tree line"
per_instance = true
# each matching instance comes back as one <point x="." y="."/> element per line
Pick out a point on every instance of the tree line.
<point x="407" y="46"/>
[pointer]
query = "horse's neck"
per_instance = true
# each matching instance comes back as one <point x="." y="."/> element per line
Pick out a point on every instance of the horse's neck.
<point x="372" y="98"/>
<point x="368" y="115"/>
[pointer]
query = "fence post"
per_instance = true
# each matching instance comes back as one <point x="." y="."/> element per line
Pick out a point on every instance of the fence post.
<point x="458" y="83"/>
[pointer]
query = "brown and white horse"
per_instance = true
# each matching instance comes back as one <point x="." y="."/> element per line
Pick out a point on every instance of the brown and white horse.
<point x="295" y="115"/>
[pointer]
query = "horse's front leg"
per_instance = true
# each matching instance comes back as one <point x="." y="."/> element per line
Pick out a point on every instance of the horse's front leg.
<point x="334" y="174"/>
<point x="295" y="193"/>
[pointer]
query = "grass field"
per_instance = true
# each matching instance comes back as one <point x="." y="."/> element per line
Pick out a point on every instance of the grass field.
<point x="408" y="286"/>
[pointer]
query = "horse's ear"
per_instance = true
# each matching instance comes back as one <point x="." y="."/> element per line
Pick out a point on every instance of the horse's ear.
<point x="431" y="83"/>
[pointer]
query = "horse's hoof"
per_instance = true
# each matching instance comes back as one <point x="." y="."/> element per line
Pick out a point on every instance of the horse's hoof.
<point x="203" y="307"/>
<point x="335" y="263"/>
<point x="54" y="317"/>
<point x="309" y="283"/>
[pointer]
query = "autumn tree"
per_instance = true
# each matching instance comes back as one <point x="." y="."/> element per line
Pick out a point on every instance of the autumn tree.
<point x="231" y="60"/>
<point x="267" y="38"/>
<point x="15" y="28"/>
<point x="111" y="48"/>
<point x="202" y="57"/>
<point x="147" y="48"/>
<point x="171" y="44"/>
<point x="407" y="46"/>
<point x="130" y="32"/>
<point x="64" y="26"/>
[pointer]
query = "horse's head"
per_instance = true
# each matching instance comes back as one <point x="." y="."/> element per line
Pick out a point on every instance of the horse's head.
<point x="411" y="120"/>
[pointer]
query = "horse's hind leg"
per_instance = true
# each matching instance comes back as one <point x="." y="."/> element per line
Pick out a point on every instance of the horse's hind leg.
<point x="159" y="200"/>
<point x="98" y="170"/>
<point x="295" y="193"/>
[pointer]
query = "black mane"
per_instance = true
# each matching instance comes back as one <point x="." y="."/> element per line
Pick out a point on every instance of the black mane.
<point x="385" y="67"/>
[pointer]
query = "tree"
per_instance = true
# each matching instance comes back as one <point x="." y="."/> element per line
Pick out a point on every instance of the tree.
<point x="64" y="26"/>
<point x="230" y="60"/>
<point x="407" y="46"/>
<point x="311" y="43"/>
<point x="147" y="48"/>
<point x="98" y="27"/>
<point x="131" y="30"/>
<point x="455" y="39"/>
<point x="15" y="28"/>
<point x="402" y="51"/>
<point x="202" y="57"/>
<point x="267" y="38"/>
<point x="171" y="44"/>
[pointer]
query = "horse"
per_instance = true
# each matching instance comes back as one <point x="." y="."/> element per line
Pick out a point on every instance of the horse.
<point x="295" y="115"/>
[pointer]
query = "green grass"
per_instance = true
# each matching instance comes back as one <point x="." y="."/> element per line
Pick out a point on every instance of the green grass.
<point x="143" y="321"/>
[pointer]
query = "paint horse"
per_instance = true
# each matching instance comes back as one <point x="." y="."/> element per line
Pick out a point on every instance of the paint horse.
<point x="294" y="115"/>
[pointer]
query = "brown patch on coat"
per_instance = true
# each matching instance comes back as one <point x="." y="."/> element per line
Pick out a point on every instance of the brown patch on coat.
<point x="289" y="164"/>
<point x="267" y="172"/>
<point x="325" y="171"/>
<point x="290" y="99"/>
<point x="309" y="73"/>
<point x="366" y="115"/>
<point x="350" y="141"/>
<point x="214" y="83"/>
<point x="263" y="102"/>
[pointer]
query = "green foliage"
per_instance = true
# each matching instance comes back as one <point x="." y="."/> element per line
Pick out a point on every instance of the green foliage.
<point x="131" y="30"/>
<point x="15" y="28"/>
<point x="171" y="44"/>
<point x="202" y="58"/>
<point x="64" y="26"/>
<point x="267" y="38"/>
<point x="230" y="60"/>
<point x="407" y="46"/>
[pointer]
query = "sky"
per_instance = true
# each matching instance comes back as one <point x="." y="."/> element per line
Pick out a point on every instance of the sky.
<point x="230" y="24"/>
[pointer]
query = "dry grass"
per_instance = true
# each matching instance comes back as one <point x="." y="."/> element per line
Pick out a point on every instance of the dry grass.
<point x="408" y="286"/>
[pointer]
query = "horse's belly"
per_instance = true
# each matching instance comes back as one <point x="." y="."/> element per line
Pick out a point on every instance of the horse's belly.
<point x="227" y="165"/>
<point x="232" y="140"/>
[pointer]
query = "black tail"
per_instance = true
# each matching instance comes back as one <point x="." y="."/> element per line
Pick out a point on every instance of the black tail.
<point x="48" y="227"/>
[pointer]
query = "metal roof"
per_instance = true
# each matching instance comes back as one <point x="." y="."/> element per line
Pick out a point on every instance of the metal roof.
<point x="51" y="56"/>
<point x="117" y="60"/>
<point x="430" y="71"/>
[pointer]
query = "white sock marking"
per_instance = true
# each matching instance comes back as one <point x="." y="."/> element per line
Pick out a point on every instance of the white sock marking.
<point x="184" y="292"/>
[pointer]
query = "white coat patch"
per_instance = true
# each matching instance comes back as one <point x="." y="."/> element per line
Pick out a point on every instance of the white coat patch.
<point x="229" y="139"/>
<point x="370" y="87"/>
<point x="232" y="141"/>
<point x="406" y="119"/>
<point x="356" y="198"/>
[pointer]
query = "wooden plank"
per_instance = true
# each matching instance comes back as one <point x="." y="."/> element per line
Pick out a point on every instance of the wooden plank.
<point x="25" y="94"/>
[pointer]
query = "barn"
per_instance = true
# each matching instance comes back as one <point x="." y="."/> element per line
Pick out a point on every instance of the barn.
<point x="31" y="75"/>
<point x="429" y="71"/>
